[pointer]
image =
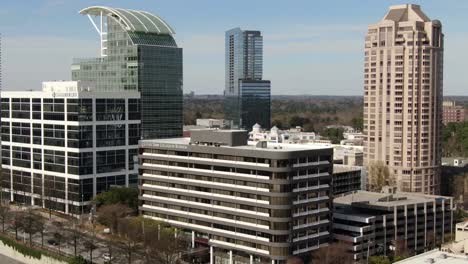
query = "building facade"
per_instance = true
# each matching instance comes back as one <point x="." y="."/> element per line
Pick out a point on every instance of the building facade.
<point x="138" y="53"/>
<point x="346" y="179"/>
<point x="63" y="145"/>
<point x="391" y="222"/>
<point x="452" y="113"/>
<point x="255" y="103"/>
<point x="250" y="202"/>
<point x="403" y="77"/>
<point x="247" y="96"/>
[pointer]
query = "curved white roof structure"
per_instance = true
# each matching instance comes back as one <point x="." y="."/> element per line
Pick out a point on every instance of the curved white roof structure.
<point x="132" y="20"/>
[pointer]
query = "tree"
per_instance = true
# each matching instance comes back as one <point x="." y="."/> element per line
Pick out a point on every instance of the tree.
<point x="90" y="245"/>
<point x="130" y="233"/>
<point x="379" y="176"/>
<point x="31" y="224"/>
<point x="4" y="215"/>
<point x="119" y="195"/>
<point x="379" y="260"/>
<point x="17" y="223"/>
<point x="168" y="248"/>
<point x="79" y="260"/>
<point x="334" y="134"/>
<point x="73" y="234"/>
<point x="334" y="253"/>
<point x="294" y="260"/>
<point x="58" y="233"/>
<point x="110" y="214"/>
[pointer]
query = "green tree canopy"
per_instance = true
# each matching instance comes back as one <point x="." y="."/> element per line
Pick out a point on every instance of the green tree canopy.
<point x="119" y="195"/>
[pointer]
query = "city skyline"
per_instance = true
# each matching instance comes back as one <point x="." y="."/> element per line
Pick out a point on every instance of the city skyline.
<point x="312" y="43"/>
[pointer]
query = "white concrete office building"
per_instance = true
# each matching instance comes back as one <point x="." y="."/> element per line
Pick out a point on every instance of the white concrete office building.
<point x="63" y="145"/>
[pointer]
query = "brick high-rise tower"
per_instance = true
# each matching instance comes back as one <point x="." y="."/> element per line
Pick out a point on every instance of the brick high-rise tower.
<point x="403" y="97"/>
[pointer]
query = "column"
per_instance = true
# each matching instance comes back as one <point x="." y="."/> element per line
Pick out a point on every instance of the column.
<point x="211" y="255"/>
<point x="230" y="257"/>
<point x="272" y="261"/>
<point x="193" y="239"/>
<point x="251" y="259"/>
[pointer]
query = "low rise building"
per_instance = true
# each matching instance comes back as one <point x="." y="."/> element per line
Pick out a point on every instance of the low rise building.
<point x="249" y="201"/>
<point x="292" y="136"/>
<point x="435" y="256"/>
<point x="378" y="223"/>
<point x="63" y="145"/>
<point x="452" y="113"/>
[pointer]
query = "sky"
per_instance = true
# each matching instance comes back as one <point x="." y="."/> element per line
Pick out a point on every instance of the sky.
<point x="310" y="47"/>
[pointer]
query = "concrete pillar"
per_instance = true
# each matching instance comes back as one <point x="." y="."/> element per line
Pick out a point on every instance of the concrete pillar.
<point x="251" y="259"/>
<point x="193" y="239"/>
<point x="211" y="255"/>
<point x="272" y="261"/>
<point x="230" y="257"/>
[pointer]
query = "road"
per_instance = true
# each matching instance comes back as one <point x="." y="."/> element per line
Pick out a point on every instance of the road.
<point x="7" y="260"/>
<point x="119" y="257"/>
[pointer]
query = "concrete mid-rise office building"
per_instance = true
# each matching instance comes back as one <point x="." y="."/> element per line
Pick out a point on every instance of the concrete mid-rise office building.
<point x="247" y="97"/>
<point x="346" y="178"/>
<point x="63" y="145"/>
<point x="391" y="222"/>
<point x="403" y="79"/>
<point x="249" y="201"/>
<point x="138" y="53"/>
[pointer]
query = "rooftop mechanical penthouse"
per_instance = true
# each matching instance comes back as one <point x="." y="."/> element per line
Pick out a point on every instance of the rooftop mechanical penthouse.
<point x="246" y="201"/>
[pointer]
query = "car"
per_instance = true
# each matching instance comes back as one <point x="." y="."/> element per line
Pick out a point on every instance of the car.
<point x="52" y="242"/>
<point x="107" y="256"/>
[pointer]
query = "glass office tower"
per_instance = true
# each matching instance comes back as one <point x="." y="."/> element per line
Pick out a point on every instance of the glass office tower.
<point x="244" y="64"/>
<point x="138" y="53"/>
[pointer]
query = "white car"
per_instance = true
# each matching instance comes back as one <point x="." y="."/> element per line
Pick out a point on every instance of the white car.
<point x="107" y="256"/>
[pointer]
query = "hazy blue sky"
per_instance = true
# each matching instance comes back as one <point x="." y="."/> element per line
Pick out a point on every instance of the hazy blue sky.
<point x="310" y="47"/>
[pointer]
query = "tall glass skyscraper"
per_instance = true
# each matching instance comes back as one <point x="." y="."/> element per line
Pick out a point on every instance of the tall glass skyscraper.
<point x="247" y="96"/>
<point x="138" y="53"/>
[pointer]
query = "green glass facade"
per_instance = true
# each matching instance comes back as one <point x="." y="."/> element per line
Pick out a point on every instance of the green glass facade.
<point x="147" y="62"/>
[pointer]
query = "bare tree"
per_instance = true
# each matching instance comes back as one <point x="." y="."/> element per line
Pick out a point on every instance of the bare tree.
<point x="109" y="215"/>
<point x="379" y="175"/>
<point x="294" y="260"/>
<point x="4" y="216"/>
<point x="17" y="223"/>
<point x="31" y="224"/>
<point x="58" y="234"/>
<point x="73" y="234"/>
<point x="130" y="233"/>
<point x="334" y="253"/>
<point x="90" y="245"/>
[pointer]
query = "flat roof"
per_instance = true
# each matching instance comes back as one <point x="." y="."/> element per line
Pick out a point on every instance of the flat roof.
<point x="385" y="199"/>
<point x="339" y="168"/>
<point x="435" y="256"/>
<point x="250" y="145"/>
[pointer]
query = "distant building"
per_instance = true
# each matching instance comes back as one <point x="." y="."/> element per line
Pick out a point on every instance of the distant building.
<point x="247" y="97"/>
<point x="348" y="155"/>
<point x="346" y="179"/>
<point x="212" y="123"/>
<point x="247" y="201"/>
<point x="138" y="53"/>
<point x="455" y="162"/>
<point x="293" y="136"/>
<point x="452" y="113"/>
<point x="63" y="145"/>
<point x="378" y="223"/>
<point x="403" y="83"/>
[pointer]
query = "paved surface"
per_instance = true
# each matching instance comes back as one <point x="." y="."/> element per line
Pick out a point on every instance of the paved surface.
<point x="7" y="260"/>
